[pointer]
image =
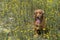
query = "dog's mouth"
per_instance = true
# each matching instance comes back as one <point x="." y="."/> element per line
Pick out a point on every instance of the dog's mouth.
<point x="38" y="21"/>
<point x="38" y="18"/>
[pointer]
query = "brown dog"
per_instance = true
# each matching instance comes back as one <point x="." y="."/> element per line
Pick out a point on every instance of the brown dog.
<point x="39" y="21"/>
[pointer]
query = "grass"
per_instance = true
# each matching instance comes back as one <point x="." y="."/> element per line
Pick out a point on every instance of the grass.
<point x="16" y="19"/>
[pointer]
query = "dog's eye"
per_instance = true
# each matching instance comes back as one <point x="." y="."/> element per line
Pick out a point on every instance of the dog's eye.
<point x="40" y="12"/>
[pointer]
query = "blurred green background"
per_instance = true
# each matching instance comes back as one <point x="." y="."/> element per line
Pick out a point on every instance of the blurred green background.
<point x="16" y="19"/>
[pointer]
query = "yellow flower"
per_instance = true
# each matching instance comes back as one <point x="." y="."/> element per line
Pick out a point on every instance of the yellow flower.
<point x="50" y="1"/>
<point x="46" y="19"/>
<point x="6" y="30"/>
<point x="47" y="36"/>
<point x="9" y="38"/>
<point x="14" y="0"/>
<point x="21" y="31"/>
<point x="21" y="12"/>
<point x="28" y="39"/>
<point x="59" y="1"/>
<point x="25" y="31"/>
<point x="28" y="30"/>
<point x="44" y="28"/>
<point x="18" y="39"/>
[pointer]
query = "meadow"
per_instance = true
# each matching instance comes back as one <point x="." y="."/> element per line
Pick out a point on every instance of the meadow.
<point x="16" y="19"/>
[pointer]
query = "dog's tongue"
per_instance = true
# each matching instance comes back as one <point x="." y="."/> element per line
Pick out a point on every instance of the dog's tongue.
<point x="38" y="21"/>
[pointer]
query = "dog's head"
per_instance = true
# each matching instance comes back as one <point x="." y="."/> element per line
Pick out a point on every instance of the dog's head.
<point x="38" y="13"/>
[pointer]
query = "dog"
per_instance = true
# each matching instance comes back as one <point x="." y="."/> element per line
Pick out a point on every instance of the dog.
<point x="39" y="22"/>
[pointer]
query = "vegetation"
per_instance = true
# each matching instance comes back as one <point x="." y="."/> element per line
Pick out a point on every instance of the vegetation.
<point x="16" y="19"/>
